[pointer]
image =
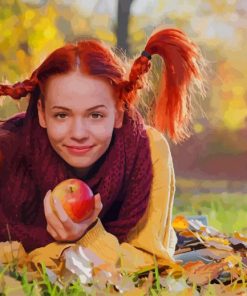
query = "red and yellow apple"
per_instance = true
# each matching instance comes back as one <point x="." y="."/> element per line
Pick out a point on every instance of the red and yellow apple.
<point x="76" y="198"/>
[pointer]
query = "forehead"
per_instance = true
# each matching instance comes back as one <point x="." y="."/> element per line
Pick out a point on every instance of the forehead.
<point x="76" y="87"/>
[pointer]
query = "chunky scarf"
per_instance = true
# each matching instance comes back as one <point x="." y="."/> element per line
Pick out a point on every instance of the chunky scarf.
<point x="122" y="176"/>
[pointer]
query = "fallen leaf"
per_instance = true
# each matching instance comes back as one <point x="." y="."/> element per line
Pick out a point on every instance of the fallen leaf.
<point x="12" y="252"/>
<point x="173" y="285"/>
<point x="195" y="224"/>
<point x="10" y="286"/>
<point x="237" y="243"/>
<point x="201" y="273"/>
<point x="214" y="254"/>
<point x="219" y="289"/>
<point x="215" y="239"/>
<point x="219" y="246"/>
<point x="180" y="223"/>
<point x="187" y="233"/>
<point x="233" y="260"/>
<point x="240" y="236"/>
<point x="138" y="291"/>
<point x="77" y="262"/>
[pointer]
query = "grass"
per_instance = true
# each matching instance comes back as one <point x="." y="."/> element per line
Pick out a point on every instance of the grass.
<point x="225" y="211"/>
<point x="158" y="287"/>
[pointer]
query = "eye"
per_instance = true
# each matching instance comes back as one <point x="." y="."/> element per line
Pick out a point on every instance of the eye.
<point x="96" y="115"/>
<point x="60" y="115"/>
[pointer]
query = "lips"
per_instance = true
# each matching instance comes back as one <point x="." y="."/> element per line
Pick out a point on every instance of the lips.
<point x="78" y="149"/>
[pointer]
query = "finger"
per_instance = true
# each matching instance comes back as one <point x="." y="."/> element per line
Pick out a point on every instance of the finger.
<point x="97" y="209"/>
<point x="47" y="198"/>
<point x="47" y="206"/>
<point x="62" y="215"/>
<point x="97" y="204"/>
<point x="52" y="232"/>
<point x="51" y="217"/>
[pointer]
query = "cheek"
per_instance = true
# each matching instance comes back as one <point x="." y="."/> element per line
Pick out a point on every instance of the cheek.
<point x="103" y="134"/>
<point x="56" y="133"/>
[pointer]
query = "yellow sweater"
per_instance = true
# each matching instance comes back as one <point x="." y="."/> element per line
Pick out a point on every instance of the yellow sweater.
<point x="153" y="235"/>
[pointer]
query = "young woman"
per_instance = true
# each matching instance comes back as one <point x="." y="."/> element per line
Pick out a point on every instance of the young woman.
<point x="81" y="122"/>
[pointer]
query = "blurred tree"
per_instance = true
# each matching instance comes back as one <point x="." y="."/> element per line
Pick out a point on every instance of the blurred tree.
<point x="123" y="15"/>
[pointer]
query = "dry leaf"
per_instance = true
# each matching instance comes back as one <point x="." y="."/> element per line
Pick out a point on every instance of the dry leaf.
<point x="217" y="245"/>
<point x="196" y="224"/>
<point x="237" y="243"/>
<point x="10" y="286"/>
<point x="12" y="253"/>
<point x="201" y="273"/>
<point x="215" y="239"/>
<point x="140" y="291"/>
<point x="214" y="254"/>
<point x="240" y="236"/>
<point x="106" y="273"/>
<point x="77" y="262"/>
<point x="187" y="233"/>
<point x="180" y="223"/>
<point x="233" y="260"/>
<point x="173" y="285"/>
<point x="125" y="284"/>
<point x="219" y="289"/>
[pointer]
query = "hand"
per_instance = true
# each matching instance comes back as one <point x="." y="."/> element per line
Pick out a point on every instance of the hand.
<point x="61" y="227"/>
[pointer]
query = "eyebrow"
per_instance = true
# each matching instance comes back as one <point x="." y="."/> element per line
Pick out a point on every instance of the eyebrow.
<point x="89" y="109"/>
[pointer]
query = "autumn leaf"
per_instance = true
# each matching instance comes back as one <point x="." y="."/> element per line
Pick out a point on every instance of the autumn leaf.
<point x="12" y="252"/>
<point x="240" y="236"/>
<point x="233" y="260"/>
<point x="201" y="273"/>
<point x="215" y="239"/>
<point x="10" y="286"/>
<point x="180" y="223"/>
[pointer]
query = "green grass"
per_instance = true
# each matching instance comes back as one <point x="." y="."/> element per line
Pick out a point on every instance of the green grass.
<point x="161" y="286"/>
<point x="225" y="211"/>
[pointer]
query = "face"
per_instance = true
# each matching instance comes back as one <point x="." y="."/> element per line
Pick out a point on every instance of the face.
<point x="79" y="116"/>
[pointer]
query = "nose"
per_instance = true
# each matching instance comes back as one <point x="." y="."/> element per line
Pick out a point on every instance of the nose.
<point x="79" y="129"/>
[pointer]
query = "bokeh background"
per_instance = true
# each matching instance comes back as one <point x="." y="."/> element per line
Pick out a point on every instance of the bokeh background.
<point x="211" y="167"/>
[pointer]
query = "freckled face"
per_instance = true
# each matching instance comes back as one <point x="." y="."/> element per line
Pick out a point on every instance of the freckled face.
<point x="79" y="117"/>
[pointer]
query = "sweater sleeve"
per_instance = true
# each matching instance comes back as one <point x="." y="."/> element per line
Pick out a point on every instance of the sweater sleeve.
<point x="156" y="235"/>
<point x="153" y="234"/>
<point x="30" y="236"/>
<point x="11" y="226"/>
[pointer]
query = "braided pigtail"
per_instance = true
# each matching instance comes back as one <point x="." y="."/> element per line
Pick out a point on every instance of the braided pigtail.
<point x="182" y="71"/>
<point x="136" y="78"/>
<point x="19" y="89"/>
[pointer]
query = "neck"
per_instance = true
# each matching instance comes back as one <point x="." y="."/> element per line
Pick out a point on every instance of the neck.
<point x="81" y="172"/>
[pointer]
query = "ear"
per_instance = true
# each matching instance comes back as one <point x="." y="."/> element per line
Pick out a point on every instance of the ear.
<point x="118" y="118"/>
<point x="41" y="114"/>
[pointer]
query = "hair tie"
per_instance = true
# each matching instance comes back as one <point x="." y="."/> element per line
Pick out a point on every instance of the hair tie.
<point x="146" y="54"/>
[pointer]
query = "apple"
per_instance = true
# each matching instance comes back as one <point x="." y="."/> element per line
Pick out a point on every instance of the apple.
<point x="76" y="198"/>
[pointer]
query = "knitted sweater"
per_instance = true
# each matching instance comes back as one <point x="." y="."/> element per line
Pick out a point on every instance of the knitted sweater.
<point x="153" y="235"/>
<point x="122" y="176"/>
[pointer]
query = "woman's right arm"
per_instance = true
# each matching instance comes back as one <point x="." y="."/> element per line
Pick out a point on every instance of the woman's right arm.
<point x="30" y="236"/>
<point x="11" y="225"/>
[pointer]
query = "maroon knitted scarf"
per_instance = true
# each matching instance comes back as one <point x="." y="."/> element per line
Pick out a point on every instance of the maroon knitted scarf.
<point x="122" y="176"/>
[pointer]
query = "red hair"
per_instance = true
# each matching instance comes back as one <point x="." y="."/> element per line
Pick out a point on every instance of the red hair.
<point x="182" y="60"/>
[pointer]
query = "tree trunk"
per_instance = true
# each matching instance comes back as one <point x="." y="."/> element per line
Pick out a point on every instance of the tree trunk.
<point x="123" y="15"/>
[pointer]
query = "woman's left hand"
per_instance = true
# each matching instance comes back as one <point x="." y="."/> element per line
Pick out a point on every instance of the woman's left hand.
<point x="61" y="227"/>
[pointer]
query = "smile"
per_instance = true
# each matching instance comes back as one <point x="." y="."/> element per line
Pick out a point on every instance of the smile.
<point x="78" y="150"/>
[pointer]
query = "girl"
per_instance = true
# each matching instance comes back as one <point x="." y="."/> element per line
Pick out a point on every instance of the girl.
<point x="81" y="122"/>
